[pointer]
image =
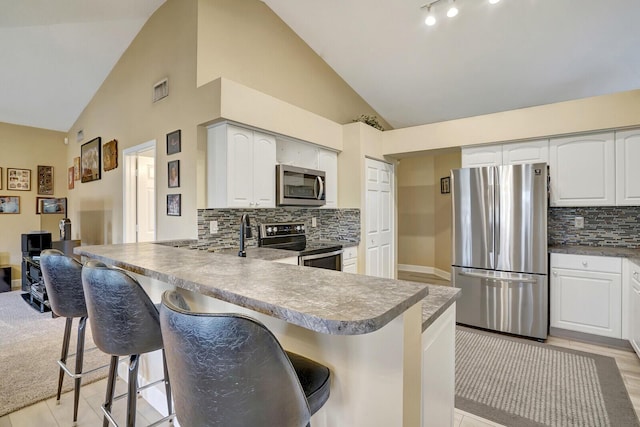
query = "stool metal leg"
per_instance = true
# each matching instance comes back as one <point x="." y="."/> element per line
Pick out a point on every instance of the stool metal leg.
<point x="167" y="385"/>
<point x="79" y="359"/>
<point x="64" y="353"/>
<point x="132" y="394"/>
<point x="111" y="388"/>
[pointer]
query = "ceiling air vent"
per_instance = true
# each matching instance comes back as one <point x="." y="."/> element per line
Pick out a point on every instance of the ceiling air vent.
<point x="160" y="90"/>
<point x="80" y="135"/>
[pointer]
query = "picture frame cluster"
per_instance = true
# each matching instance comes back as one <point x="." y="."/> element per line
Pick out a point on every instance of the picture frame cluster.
<point x="174" y="146"/>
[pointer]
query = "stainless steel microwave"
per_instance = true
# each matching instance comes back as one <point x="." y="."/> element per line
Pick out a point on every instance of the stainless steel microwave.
<point x="299" y="186"/>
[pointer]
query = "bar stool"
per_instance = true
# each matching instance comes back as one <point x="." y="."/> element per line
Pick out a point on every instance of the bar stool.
<point x="124" y="322"/>
<point x="230" y="370"/>
<point x="62" y="278"/>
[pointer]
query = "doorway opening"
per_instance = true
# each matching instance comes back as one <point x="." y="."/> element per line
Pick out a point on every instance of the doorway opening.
<point x="139" y="203"/>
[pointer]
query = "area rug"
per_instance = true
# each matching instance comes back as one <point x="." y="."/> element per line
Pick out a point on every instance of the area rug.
<point x="518" y="382"/>
<point x="30" y="344"/>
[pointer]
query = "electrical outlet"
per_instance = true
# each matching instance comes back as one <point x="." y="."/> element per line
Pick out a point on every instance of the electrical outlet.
<point x="579" y="222"/>
<point x="213" y="227"/>
<point x="314" y="223"/>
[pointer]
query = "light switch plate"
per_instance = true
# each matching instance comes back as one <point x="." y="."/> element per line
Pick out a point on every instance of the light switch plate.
<point x="579" y="222"/>
<point x="213" y="227"/>
<point x="314" y="223"/>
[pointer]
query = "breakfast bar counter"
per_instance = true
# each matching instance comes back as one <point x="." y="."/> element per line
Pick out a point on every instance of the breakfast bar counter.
<point x="367" y="330"/>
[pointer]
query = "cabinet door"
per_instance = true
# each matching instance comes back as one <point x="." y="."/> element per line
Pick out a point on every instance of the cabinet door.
<point x="486" y="155"/>
<point x="634" y="315"/>
<point x="627" y="170"/>
<point x="582" y="170"/>
<point x="328" y="162"/>
<point x="264" y="170"/>
<point x="239" y="167"/>
<point x="525" y="152"/>
<point x="586" y="301"/>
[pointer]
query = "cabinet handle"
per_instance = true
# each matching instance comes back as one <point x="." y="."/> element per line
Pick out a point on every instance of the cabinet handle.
<point x="250" y="203"/>
<point x="635" y="275"/>
<point x="257" y="203"/>
<point x="555" y="273"/>
<point x="584" y="263"/>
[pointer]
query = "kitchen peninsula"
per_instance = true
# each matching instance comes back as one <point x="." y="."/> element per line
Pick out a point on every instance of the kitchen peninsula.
<point x="367" y="330"/>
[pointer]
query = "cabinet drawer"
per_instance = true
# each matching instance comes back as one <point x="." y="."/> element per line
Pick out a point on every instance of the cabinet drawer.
<point x="350" y="253"/>
<point x="587" y="262"/>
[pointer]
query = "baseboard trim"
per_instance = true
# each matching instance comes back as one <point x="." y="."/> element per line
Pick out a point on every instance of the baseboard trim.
<point x="590" y="338"/>
<point x="424" y="269"/>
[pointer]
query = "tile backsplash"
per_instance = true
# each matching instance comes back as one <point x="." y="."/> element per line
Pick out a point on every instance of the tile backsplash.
<point x="332" y="224"/>
<point x="617" y="226"/>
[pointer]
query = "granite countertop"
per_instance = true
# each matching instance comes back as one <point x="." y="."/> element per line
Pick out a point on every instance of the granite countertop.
<point x="596" y="251"/>
<point x="439" y="299"/>
<point x="321" y="300"/>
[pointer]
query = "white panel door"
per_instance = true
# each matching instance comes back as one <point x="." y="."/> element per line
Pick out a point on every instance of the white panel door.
<point x="146" y="199"/>
<point x="628" y="167"/>
<point x="582" y="170"/>
<point x="379" y="219"/>
<point x="586" y="301"/>
<point x="525" y="152"/>
<point x="240" y="167"/>
<point x="634" y="312"/>
<point x="264" y="171"/>
<point x="328" y="162"/>
<point x="485" y="155"/>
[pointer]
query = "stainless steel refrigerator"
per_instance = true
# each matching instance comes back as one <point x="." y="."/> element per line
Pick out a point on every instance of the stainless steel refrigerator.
<point x="500" y="248"/>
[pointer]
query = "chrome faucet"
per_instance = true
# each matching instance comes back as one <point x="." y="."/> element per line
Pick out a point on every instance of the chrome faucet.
<point x="245" y="232"/>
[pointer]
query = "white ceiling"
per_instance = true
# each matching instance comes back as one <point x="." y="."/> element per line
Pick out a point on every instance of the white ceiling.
<point x="518" y="53"/>
<point x="490" y="58"/>
<point x="56" y="54"/>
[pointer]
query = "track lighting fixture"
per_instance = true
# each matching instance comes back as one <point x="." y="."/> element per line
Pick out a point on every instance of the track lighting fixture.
<point x="452" y="10"/>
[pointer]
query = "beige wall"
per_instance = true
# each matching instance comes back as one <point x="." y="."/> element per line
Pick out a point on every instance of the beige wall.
<point x="583" y="115"/>
<point x="424" y="214"/>
<point x="25" y="148"/>
<point x="243" y="40"/>
<point x="169" y="45"/>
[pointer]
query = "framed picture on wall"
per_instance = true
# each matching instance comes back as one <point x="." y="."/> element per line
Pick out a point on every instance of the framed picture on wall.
<point x="90" y="159"/>
<point x="445" y="185"/>
<point x="19" y="179"/>
<point x="76" y="168"/>
<point x="174" y="143"/>
<point x="0" y="178"/>
<point x="110" y="152"/>
<point x="10" y="204"/>
<point x="45" y="180"/>
<point x="71" y="177"/>
<point x="173" y="204"/>
<point x="174" y="174"/>
<point x="53" y="205"/>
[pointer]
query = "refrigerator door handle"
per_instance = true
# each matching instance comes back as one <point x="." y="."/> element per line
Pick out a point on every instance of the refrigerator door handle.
<point x="497" y="279"/>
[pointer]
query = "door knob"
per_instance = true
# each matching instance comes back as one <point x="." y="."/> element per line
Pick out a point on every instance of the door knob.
<point x="584" y="263"/>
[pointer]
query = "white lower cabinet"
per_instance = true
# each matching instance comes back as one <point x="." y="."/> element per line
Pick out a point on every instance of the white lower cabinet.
<point x="634" y="306"/>
<point x="350" y="260"/>
<point x="586" y="294"/>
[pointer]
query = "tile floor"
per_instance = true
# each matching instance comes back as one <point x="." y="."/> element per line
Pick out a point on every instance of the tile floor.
<point x="48" y="414"/>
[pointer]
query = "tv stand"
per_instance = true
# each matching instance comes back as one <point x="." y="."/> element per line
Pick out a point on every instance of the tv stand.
<point x="35" y="291"/>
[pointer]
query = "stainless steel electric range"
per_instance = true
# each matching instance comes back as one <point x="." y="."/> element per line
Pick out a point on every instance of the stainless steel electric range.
<point x="292" y="237"/>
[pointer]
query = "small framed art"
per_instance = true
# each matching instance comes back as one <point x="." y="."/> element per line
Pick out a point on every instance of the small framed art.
<point x="174" y="174"/>
<point x="76" y="168"/>
<point x="53" y="205"/>
<point x="174" y="142"/>
<point x="90" y="159"/>
<point x="173" y="204"/>
<point x="19" y="179"/>
<point x="71" y="177"/>
<point x="110" y="153"/>
<point x="445" y="185"/>
<point x="9" y="204"/>
<point x="45" y="180"/>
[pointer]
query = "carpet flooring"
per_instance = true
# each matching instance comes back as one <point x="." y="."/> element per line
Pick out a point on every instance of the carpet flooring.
<point x="518" y="382"/>
<point x="30" y="344"/>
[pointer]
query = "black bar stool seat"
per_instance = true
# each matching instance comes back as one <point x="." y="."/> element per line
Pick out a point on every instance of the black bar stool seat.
<point x="230" y="370"/>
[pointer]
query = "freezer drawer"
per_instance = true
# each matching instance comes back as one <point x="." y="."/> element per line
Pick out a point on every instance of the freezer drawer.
<point x="507" y="302"/>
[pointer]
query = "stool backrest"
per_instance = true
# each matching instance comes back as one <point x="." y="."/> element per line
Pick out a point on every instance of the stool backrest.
<point x="228" y="370"/>
<point x="63" y="281"/>
<point x="124" y="321"/>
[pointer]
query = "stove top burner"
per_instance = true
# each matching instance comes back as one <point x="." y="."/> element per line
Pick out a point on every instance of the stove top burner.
<point x="292" y="237"/>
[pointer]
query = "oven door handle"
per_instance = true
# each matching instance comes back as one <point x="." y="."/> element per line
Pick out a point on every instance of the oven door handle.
<point x="322" y="255"/>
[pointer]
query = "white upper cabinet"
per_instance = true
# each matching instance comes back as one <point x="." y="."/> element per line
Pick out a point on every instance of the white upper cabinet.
<point x="328" y="162"/>
<point x="484" y="155"/>
<point x="513" y="153"/>
<point x="240" y="168"/>
<point x="582" y="170"/>
<point x="628" y="167"/>
<point x="526" y="152"/>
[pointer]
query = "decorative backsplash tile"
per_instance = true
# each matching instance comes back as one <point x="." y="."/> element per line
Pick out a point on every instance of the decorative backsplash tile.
<point x="603" y="226"/>
<point x="332" y="224"/>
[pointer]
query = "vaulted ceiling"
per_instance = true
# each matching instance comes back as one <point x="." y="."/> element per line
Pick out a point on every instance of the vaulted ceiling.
<point x="489" y="58"/>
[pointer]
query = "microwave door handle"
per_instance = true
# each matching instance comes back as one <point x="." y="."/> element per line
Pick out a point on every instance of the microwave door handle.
<point x="321" y="185"/>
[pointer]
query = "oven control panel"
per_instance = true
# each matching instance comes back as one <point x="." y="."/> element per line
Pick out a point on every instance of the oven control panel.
<point x="276" y="230"/>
